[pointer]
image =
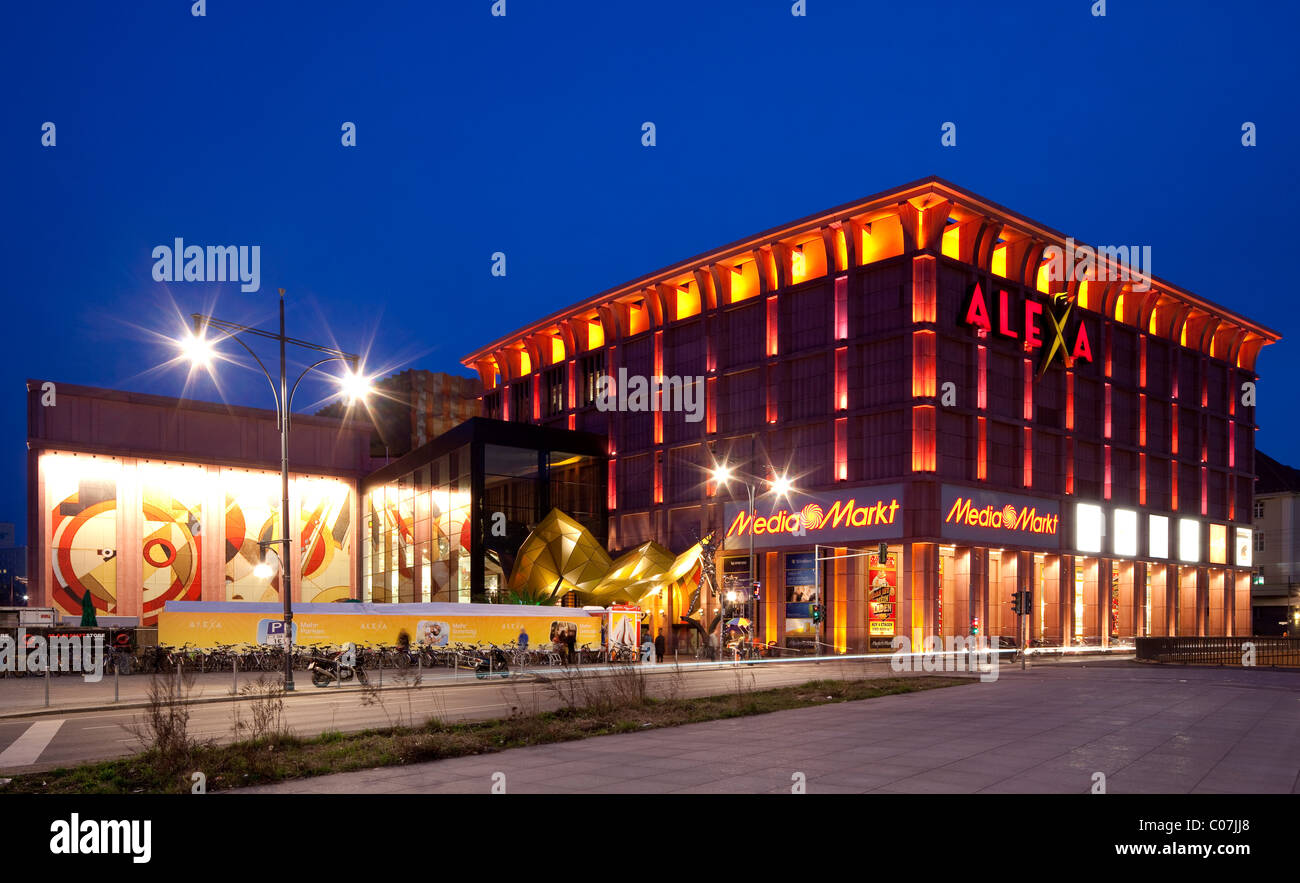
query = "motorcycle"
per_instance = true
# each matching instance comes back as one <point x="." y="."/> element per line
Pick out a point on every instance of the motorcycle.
<point x="495" y="663"/>
<point x="341" y="666"/>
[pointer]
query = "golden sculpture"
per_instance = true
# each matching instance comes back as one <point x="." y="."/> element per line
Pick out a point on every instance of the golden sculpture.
<point x="561" y="556"/>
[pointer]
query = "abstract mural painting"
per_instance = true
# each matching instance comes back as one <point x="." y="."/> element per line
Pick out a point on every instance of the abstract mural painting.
<point x="252" y="517"/>
<point x="172" y="505"/>
<point x="82" y="498"/>
<point x="325" y="516"/>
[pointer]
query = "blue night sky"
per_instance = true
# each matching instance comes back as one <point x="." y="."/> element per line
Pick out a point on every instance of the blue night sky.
<point x="522" y="134"/>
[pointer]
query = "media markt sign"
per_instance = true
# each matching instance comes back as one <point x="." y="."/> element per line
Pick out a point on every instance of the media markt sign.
<point x="851" y="515"/>
<point x="997" y="519"/>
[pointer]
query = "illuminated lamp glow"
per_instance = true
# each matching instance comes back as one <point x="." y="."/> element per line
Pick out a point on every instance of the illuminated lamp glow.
<point x="1125" y="539"/>
<point x="781" y="486"/>
<point x="1089" y="522"/>
<point x="1158" y="536"/>
<point x="198" y="349"/>
<point x="354" y="385"/>
<point x="1189" y="540"/>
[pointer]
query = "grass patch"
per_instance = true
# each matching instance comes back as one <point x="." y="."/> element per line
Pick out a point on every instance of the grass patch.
<point x="278" y="757"/>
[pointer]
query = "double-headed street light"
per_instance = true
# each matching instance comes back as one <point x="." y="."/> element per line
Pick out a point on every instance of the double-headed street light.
<point x="200" y="349"/>
<point x="781" y="486"/>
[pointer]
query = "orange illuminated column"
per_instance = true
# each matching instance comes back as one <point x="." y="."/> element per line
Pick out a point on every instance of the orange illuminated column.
<point x="1108" y="486"/>
<point x="710" y="405"/>
<point x="923" y="363"/>
<point x="659" y="478"/>
<point x="923" y="438"/>
<point x="505" y="401"/>
<point x="611" y="492"/>
<point x="1215" y="626"/>
<point x="1241" y="617"/>
<point x="573" y="385"/>
<point x="1069" y="401"/>
<point x="842" y="379"/>
<point x="1205" y="489"/>
<point x="1173" y="485"/>
<point x="1028" y="384"/>
<point x="659" y="372"/>
<point x="1069" y="465"/>
<point x="772" y="411"/>
<point x="1173" y="430"/>
<point x="923" y="288"/>
<point x="771" y="603"/>
<point x="1142" y="420"/>
<point x="1142" y="478"/>
<point x="982" y="393"/>
<point x="1232" y="443"/>
<point x="1142" y="361"/>
<point x="845" y="569"/>
<point x="1029" y="457"/>
<point x="537" y="397"/>
<point x="842" y="308"/>
<point x="1108" y="420"/>
<point x="772" y="348"/>
<point x="982" y="465"/>
<point x="842" y="449"/>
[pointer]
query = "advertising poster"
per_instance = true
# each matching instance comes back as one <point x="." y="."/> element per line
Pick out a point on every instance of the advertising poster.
<point x="735" y="574"/>
<point x="204" y="624"/>
<point x="1114" y="605"/>
<point x="624" y="626"/>
<point x="882" y="596"/>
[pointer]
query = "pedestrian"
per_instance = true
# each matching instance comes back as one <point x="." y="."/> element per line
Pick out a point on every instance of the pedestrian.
<point x="571" y="641"/>
<point x="659" y="645"/>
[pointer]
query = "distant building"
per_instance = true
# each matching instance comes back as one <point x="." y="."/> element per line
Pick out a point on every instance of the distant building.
<point x="6" y="534"/>
<point x="13" y="574"/>
<point x="414" y="407"/>
<point x="1275" y="589"/>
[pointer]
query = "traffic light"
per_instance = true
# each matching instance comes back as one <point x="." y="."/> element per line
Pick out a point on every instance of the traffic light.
<point x="1015" y="603"/>
<point x="757" y="593"/>
<point x="817" y="613"/>
<point x="1027" y="602"/>
<point x="975" y="625"/>
<point x="883" y="553"/>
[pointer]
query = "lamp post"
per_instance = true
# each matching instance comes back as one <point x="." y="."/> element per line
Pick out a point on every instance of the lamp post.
<point x="781" y="486"/>
<point x="355" y="385"/>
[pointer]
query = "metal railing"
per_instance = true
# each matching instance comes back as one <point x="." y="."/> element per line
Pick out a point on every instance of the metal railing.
<point x="1267" y="650"/>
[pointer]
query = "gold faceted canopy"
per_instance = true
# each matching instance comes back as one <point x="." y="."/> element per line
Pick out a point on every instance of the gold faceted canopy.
<point x="561" y="556"/>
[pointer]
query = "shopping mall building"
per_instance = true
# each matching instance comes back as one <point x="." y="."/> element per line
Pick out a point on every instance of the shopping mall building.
<point x="926" y="371"/>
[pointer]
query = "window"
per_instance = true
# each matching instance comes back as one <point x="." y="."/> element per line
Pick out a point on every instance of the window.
<point x="492" y="404"/>
<point x="521" y="401"/>
<point x="1259" y="508"/>
<point x="1259" y="534"/>
<point x="553" y="391"/>
<point x="590" y="369"/>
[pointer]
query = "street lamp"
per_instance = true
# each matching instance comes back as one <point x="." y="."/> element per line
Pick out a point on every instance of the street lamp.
<point x="201" y="351"/>
<point x="781" y="486"/>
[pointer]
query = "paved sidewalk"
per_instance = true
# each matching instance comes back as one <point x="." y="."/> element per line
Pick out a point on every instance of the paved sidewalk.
<point x="1048" y="730"/>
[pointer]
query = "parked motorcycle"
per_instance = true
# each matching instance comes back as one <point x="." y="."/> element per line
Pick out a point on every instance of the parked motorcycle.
<point x="495" y="663"/>
<point x="341" y="666"/>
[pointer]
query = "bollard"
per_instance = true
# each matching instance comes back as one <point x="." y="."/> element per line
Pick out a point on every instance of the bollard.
<point x="235" y="676"/>
<point x="116" y="667"/>
<point x="47" y="683"/>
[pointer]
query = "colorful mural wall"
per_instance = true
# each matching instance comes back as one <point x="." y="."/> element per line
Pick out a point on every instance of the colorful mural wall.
<point x="107" y="520"/>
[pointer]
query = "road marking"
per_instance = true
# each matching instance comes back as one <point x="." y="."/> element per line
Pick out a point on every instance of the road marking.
<point x="28" y="747"/>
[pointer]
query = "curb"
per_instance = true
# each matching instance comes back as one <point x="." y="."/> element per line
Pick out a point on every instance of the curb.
<point x="212" y="700"/>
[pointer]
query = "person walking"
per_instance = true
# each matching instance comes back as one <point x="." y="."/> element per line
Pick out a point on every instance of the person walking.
<point x="659" y="646"/>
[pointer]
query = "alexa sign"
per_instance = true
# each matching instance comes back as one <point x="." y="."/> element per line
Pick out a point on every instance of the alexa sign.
<point x="1031" y="320"/>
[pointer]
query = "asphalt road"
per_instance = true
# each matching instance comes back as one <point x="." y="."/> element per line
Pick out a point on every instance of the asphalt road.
<point x="34" y="742"/>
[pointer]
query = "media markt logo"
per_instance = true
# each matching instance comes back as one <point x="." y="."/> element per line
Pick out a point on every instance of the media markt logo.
<point x="1026" y="518"/>
<point x="842" y="513"/>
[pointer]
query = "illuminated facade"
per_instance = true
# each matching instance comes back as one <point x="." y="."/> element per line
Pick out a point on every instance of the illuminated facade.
<point x="141" y="500"/>
<point x="445" y="522"/>
<point x="917" y="368"/>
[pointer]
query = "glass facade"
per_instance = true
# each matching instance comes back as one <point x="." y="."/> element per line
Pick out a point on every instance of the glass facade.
<point x="445" y="522"/>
